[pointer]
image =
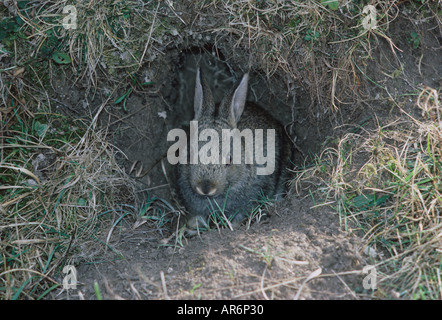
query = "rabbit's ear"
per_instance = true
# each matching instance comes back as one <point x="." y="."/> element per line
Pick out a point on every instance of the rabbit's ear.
<point x="239" y="99"/>
<point x="203" y="100"/>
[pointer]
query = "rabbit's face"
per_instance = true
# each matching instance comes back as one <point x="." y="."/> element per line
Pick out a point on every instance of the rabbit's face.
<point x="214" y="175"/>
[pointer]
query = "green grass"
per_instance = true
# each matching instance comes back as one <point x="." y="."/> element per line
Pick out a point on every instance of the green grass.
<point x="220" y="220"/>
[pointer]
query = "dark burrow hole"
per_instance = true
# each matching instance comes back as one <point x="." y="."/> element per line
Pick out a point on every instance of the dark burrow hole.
<point x="145" y="139"/>
<point x="222" y="76"/>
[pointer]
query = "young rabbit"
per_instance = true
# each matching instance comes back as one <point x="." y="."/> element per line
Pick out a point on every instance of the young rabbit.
<point x="234" y="187"/>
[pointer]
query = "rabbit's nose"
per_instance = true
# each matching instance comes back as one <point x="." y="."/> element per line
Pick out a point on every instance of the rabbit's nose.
<point x="206" y="188"/>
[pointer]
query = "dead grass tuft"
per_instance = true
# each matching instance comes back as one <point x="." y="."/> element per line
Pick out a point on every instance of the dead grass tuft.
<point x="312" y="44"/>
<point x="386" y="185"/>
<point x="54" y="201"/>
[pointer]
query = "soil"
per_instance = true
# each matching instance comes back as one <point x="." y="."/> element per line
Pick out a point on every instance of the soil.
<point x="273" y="258"/>
<point x="269" y="261"/>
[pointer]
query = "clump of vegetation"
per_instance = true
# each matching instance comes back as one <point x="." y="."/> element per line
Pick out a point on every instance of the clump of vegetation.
<point x="59" y="183"/>
<point x="386" y="185"/>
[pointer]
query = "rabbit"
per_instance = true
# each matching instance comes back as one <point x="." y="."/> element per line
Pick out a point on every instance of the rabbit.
<point x="228" y="185"/>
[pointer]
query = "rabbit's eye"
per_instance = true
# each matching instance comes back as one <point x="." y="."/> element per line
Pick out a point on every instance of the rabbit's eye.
<point x="228" y="159"/>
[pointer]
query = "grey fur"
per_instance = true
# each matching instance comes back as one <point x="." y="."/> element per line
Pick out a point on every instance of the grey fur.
<point x="199" y="184"/>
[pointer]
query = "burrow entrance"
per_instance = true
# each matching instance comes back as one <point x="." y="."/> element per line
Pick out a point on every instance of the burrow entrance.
<point x="142" y="134"/>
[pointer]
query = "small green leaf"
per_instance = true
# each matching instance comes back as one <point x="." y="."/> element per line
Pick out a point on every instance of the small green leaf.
<point x="97" y="291"/>
<point x="120" y="99"/>
<point x="82" y="202"/>
<point x="124" y="99"/>
<point x="332" y="4"/>
<point x="195" y="287"/>
<point x="396" y="73"/>
<point x="311" y="35"/>
<point x="414" y="40"/>
<point x="61" y="58"/>
<point x="40" y="128"/>
<point x="19" y="21"/>
<point x="124" y="96"/>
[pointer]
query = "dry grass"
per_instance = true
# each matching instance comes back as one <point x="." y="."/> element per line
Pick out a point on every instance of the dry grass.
<point x="61" y="187"/>
<point x="310" y="43"/>
<point x="386" y="186"/>
<point x="49" y="215"/>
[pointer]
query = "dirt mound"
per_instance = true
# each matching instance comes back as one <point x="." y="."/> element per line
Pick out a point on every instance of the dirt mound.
<point x="271" y="260"/>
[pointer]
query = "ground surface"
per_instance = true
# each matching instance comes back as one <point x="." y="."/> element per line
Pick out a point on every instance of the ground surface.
<point x="221" y="265"/>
